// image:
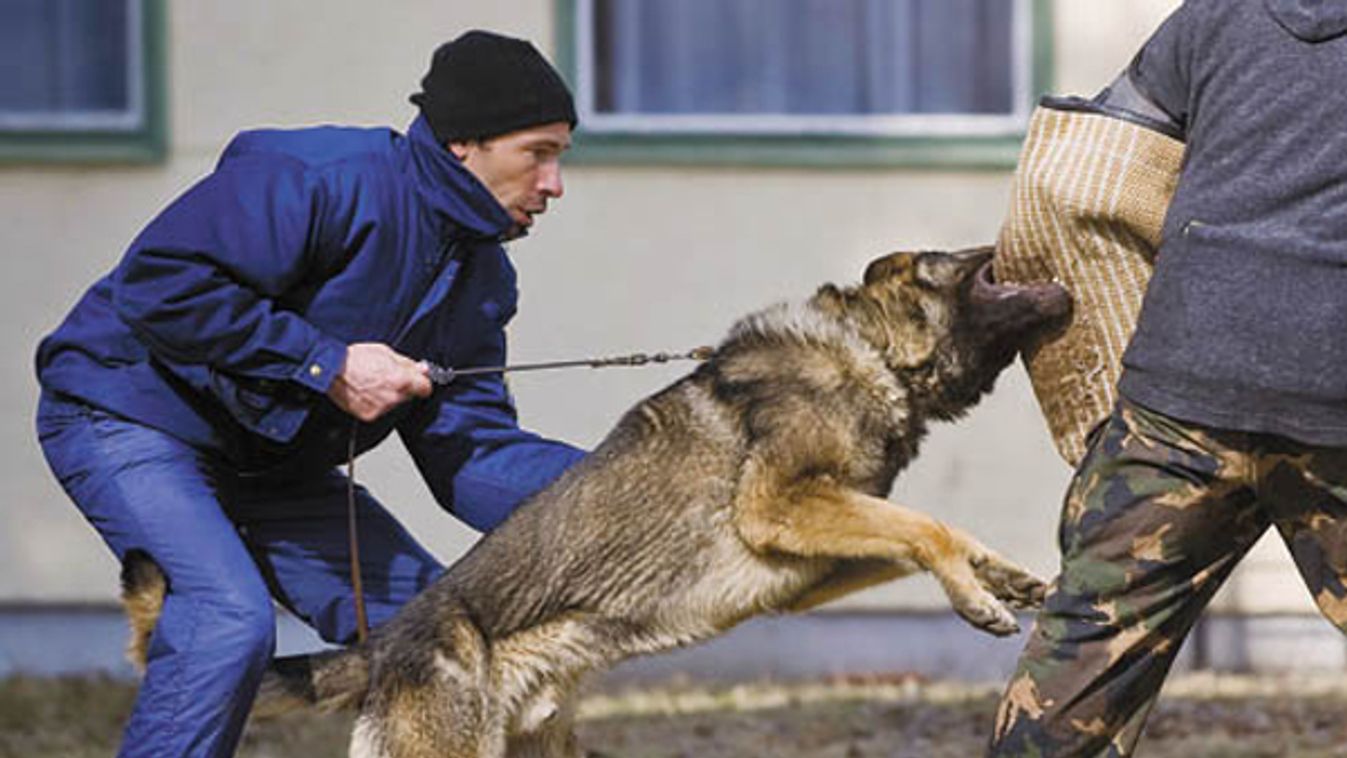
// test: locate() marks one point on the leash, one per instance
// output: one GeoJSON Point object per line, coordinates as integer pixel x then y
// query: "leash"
{"type": "Point", "coordinates": [446, 375]}
{"type": "Point", "coordinates": [443, 375]}
{"type": "Point", "coordinates": [357, 586]}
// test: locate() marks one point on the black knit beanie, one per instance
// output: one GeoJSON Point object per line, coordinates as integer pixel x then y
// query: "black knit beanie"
{"type": "Point", "coordinates": [483, 84]}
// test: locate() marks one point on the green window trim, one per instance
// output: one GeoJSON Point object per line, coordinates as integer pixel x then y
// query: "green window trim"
{"type": "Point", "coordinates": [147, 143]}
{"type": "Point", "coordinates": [993, 152]}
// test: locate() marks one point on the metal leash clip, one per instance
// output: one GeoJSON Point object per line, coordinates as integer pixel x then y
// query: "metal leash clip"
{"type": "Point", "coordinates": [440, 374]}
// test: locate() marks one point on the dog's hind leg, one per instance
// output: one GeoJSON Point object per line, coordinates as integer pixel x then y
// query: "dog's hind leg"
{"type": "Point", "coordinates": [432, 698]}
{"type": "Point", "coordinates": [432, 720]}
{"type": "Point", "coordinates": [539, 670]}
{"type": "Point", "coordinates": [367, 739]}
{"type": "Point", "coordinates": [550, 734]}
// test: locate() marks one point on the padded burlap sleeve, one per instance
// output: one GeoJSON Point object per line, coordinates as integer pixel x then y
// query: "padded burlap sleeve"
{"type": "Point", "coordinates": [1088, 201]}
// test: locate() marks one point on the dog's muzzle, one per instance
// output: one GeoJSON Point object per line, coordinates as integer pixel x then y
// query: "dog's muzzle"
{"type": "Point", "coordinates": [1018, 306]}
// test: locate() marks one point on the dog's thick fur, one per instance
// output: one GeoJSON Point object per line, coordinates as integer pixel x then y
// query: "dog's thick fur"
{"type": "Point", "coordinates": [755, 484]}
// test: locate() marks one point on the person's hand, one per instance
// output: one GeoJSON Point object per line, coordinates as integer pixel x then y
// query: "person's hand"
{"type": "Point", "coordinates": [376, 379]}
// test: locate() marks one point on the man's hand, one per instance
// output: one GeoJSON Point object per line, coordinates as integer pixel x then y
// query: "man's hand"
{"type": "Point", "coordinates": [376, 379]}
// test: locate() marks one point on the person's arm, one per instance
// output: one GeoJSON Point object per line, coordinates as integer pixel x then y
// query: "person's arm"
{"type": "Point", "coordinates": [200, 284]}
{"type": "Point", "coordinates": [1097, 226]}
{"type": "Point", "coordinates": [203, 284]}
{"type": "Point", "coordinates": [467, 444]}
{"type": "Point", "coordinates": [1160, 73]}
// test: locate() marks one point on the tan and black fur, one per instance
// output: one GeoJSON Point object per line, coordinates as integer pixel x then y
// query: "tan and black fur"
{"type": "Point", "coordinates": [755, 484]}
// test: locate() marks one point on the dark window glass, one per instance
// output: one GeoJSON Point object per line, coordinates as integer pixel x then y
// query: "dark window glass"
{"type": "Point", "coordinates": [70, 64]}
{"type": "Point", "coordinates": [803, 57]}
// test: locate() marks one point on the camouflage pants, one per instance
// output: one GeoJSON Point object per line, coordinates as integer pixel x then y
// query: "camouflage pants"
{"type": "Point", "coordinates": [1156, 518]}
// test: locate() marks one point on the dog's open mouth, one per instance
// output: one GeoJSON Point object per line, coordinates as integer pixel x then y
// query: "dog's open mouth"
{"type": "Point", "coordinates": [1016, 308]}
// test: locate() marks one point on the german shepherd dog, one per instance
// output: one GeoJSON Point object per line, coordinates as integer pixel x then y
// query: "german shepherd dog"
{"type": "Point", "coordinates": [754, 484]}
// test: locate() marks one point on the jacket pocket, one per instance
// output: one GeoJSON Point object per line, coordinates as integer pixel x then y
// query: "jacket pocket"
{"type": "Point", "coordinates": [247, 400]}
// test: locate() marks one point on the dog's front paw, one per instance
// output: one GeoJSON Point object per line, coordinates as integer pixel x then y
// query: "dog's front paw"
{"type": "Point", "coordinates": [981, 609]}
{"type": "Point", "coordinates": [980, 583]}
{"type": "Point", "coordinates": [971, 600]}
{"type": "Point", "coordinates": [1009, 581]}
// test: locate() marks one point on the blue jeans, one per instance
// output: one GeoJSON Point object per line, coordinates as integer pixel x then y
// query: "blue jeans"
{"type": "Point", "coordinates": [228, 544]}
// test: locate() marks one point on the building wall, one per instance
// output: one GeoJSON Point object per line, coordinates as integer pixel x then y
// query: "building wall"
{"type": "Point", "coordinates": [633, 258]}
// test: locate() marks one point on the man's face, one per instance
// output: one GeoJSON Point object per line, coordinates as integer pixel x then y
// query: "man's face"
{"type": "Point", "coordinates": [522, 168]}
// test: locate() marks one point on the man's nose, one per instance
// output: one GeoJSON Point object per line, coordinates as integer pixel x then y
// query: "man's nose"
{"type": "Point", "coordinates": [549, 180]}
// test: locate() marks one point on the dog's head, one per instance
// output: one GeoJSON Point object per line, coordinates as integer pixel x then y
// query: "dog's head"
{"type": "Point", "coordinates": [946, 328]}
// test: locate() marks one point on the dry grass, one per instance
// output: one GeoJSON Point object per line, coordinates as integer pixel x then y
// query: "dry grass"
{"type": "Point", "coordinates": [893, 716]}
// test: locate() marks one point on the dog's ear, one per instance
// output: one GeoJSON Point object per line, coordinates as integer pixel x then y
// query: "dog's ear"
{"type": "Point", "coordinates": [832, 300]}
{"type": "Point", "coordinates": [901, 266]}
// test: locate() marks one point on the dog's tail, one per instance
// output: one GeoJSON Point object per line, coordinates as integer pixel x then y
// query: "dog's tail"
{"type": "Point", "coordinates": [143, 589]}
{"type": "Point", "coordinates": [328, 680]}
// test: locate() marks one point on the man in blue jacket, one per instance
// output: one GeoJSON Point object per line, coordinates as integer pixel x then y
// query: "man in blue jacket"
{"type": "Point", "coordinates": [198, 399]}
{"type": "Point", "coordinates": [1233, 415]}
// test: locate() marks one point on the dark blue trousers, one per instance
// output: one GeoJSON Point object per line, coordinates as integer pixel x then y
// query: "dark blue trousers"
{"type": "Point", "coordinates": [229, 544]}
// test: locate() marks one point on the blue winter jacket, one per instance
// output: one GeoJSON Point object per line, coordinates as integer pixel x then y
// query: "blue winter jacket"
{"type": "Point", "coordinates": [229, 316]}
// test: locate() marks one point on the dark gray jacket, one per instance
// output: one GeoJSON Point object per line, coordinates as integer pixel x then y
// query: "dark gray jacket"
{"type": "Point", "coordinates": [1245, 322]}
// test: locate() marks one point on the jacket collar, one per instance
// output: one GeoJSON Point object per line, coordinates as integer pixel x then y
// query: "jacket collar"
{"type": "Point", "coordinates": [451, 190]}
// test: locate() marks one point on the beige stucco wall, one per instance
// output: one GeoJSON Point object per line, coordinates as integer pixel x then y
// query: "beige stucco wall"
{"type": "Point", "coordinates": [632, 259]}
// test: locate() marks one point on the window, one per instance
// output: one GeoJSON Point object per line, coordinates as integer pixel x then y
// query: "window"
{"type": "Point", "coordinates": [833, 82]}
{"type": "Point", "coordinates": [85, 82]}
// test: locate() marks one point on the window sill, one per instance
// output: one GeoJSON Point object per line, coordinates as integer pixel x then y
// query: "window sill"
{"type": "Point", "coordinates": [968, 153]}
{"type": "Point", "coordinates": [84, 148]}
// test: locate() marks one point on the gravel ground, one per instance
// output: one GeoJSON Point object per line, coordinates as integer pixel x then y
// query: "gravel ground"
{"type": "Point", "coordinates": [893, 716]}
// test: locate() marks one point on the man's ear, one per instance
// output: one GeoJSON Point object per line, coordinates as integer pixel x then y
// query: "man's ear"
{"type": "Point", "coordinates": [459, 149]}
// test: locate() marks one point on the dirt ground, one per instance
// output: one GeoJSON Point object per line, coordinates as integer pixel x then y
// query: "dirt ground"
{"type": "Point", "coordinates": [892, 716]}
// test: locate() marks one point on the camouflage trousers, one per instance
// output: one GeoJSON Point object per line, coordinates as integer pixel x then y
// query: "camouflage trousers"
{"type": "Point", "coordinates": [1156, 518]}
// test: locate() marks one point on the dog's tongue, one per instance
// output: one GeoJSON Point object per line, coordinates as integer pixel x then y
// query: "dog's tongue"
{"type": "Point", "coordinates": [1049, 298]}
